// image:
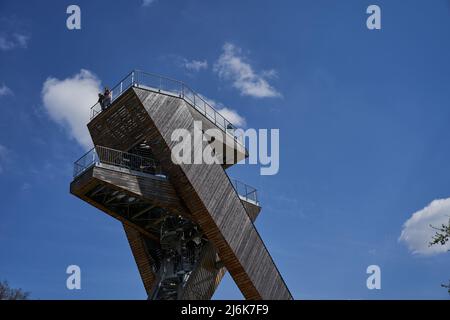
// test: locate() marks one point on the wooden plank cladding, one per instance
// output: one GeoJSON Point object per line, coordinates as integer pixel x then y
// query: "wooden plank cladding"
{"type": "Point", "coordinates": [213, 202]}
{"type": "Point", "coordinates": [203, 192]}
{"type": "Point", "coordinates": [204, 281]}
{"type": "Point", "coordinates": [141, 256]}
{"type": "Point", "coordinates": [233, 152]}
{"type": "Point", "coordinates": [121, 126]}
{"type": "Point", "coordinates": [157, 190]}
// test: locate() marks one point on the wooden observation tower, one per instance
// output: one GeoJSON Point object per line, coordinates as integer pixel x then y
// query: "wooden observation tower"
{"type": "Point", "coordinates": [187, 224]}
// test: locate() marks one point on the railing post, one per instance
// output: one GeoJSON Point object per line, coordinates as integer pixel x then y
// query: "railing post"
{"type": "Point", "coordinates": [246, 193]}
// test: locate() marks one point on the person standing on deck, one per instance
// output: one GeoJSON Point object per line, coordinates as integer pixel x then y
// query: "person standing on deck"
{"type": "Point", "coordinates": [101, 100]}
{"type": "Point", "coordinates": [107, 95]}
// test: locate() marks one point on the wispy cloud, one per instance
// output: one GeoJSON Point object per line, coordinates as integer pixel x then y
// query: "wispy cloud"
{"type": "Point", "coordinates": [5, 91]}
{"type": "Point", "coordinates": [231, 115]}
{"type": "Point", "coordinates": [195, 65]}
{"type": "Point", "coordinates": [14, 33]}
{"type": "Point", "coordinates": [13, 41]}
{"type": "Point", "coordinates": [233, 66]}
{"type": "Point", "coordinates": [417, 232]}
{"type": "Point", "coordinates": [25, 186]}
{"type": "Point", "coordinates": [147, 3]}
{"type": "Point", "coordinates": [68, 103]}
{"type": "Point", "coordinates": [4, 152]}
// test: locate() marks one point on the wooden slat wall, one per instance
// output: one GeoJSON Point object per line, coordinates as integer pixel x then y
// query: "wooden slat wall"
{"type": "Point", "coordinates": [205, 189]}
{"type": "Point", "coordinates": [215, 205]}
{"type": "Point", "coordinates": [238, 151]}
{"type": "Point", "coordinates": [141, 256]}
{"type": "Point", "coordinates": [205, 279]}
{"type": "Point", "coordinates": [159, 191]}
{"type": "Point", "coordinates": [252, 209]}
{"type": "Point", "coordinates": [121, 125]}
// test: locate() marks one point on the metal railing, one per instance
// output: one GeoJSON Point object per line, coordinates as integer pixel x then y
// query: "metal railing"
{"type": "Point", "coordinates": [131, 161]}
{"type": "Point", "coordinates": [116, 158]}
{"type": "Point", "coordinates": [116, 92]}
{"type": "Point", "coordinates": [175, 88]}
{"type": "Point", "coordinates": [245, 191]}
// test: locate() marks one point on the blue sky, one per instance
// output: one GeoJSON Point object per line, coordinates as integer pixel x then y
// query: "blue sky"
{"type": "Point", "coordinates": [363, 118]}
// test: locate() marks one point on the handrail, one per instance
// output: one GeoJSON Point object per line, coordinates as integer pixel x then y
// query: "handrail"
{"type": "Point", "coordinates": [158, 83]}
{"type": "Point", "coordinates": [247, 192]}
{"type": "Point", "coordinates": [116, 92]}
{"type": "Point", "coordinates": [134, 162]}
{"type": "Point", "coordinates": [116, 158]}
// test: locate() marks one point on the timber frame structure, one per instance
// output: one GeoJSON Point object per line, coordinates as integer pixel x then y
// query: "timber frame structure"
{"type": "Point", "coordinates": [187, 224]}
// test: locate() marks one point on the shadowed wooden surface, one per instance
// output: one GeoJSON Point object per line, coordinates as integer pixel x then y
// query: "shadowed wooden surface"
{"type": "Point", "coordinates": [142, 257]}
{"type": "Point", "coordinates": [205, 279]}
{"type": "Point", "coordinates": [87, 182]}
{"type": "Point", "coordinates": [159, 191]}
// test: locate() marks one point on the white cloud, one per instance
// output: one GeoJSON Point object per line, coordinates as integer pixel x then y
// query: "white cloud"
{"type": "Point", "coordinates": [417, 233]}
{"type": "Point", "coordinates": [15, 40]}
{"type": "Point", "coordinates": [21, 40]}
{"type": "Point", "coordinates": [5, 91]}
{"type": "Point", "coordinates": [229, 114]}
{"type": "Point", "coordinates": [3, 152]}
{"type": "Point", "coordinates": [232, 116]}
{"type": "Point", "coordinates": [68, 103]}
{"type": "Point", "coordinates": [195, 65]}
{"type": "Point", "coordinates": [3, 156]}
{"type": "Point", "coordinates": [25, 186]}
{"type": "Point", "coordinates": [147, 3]}
{"type": "Point", "coordinates": [232, 66]}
